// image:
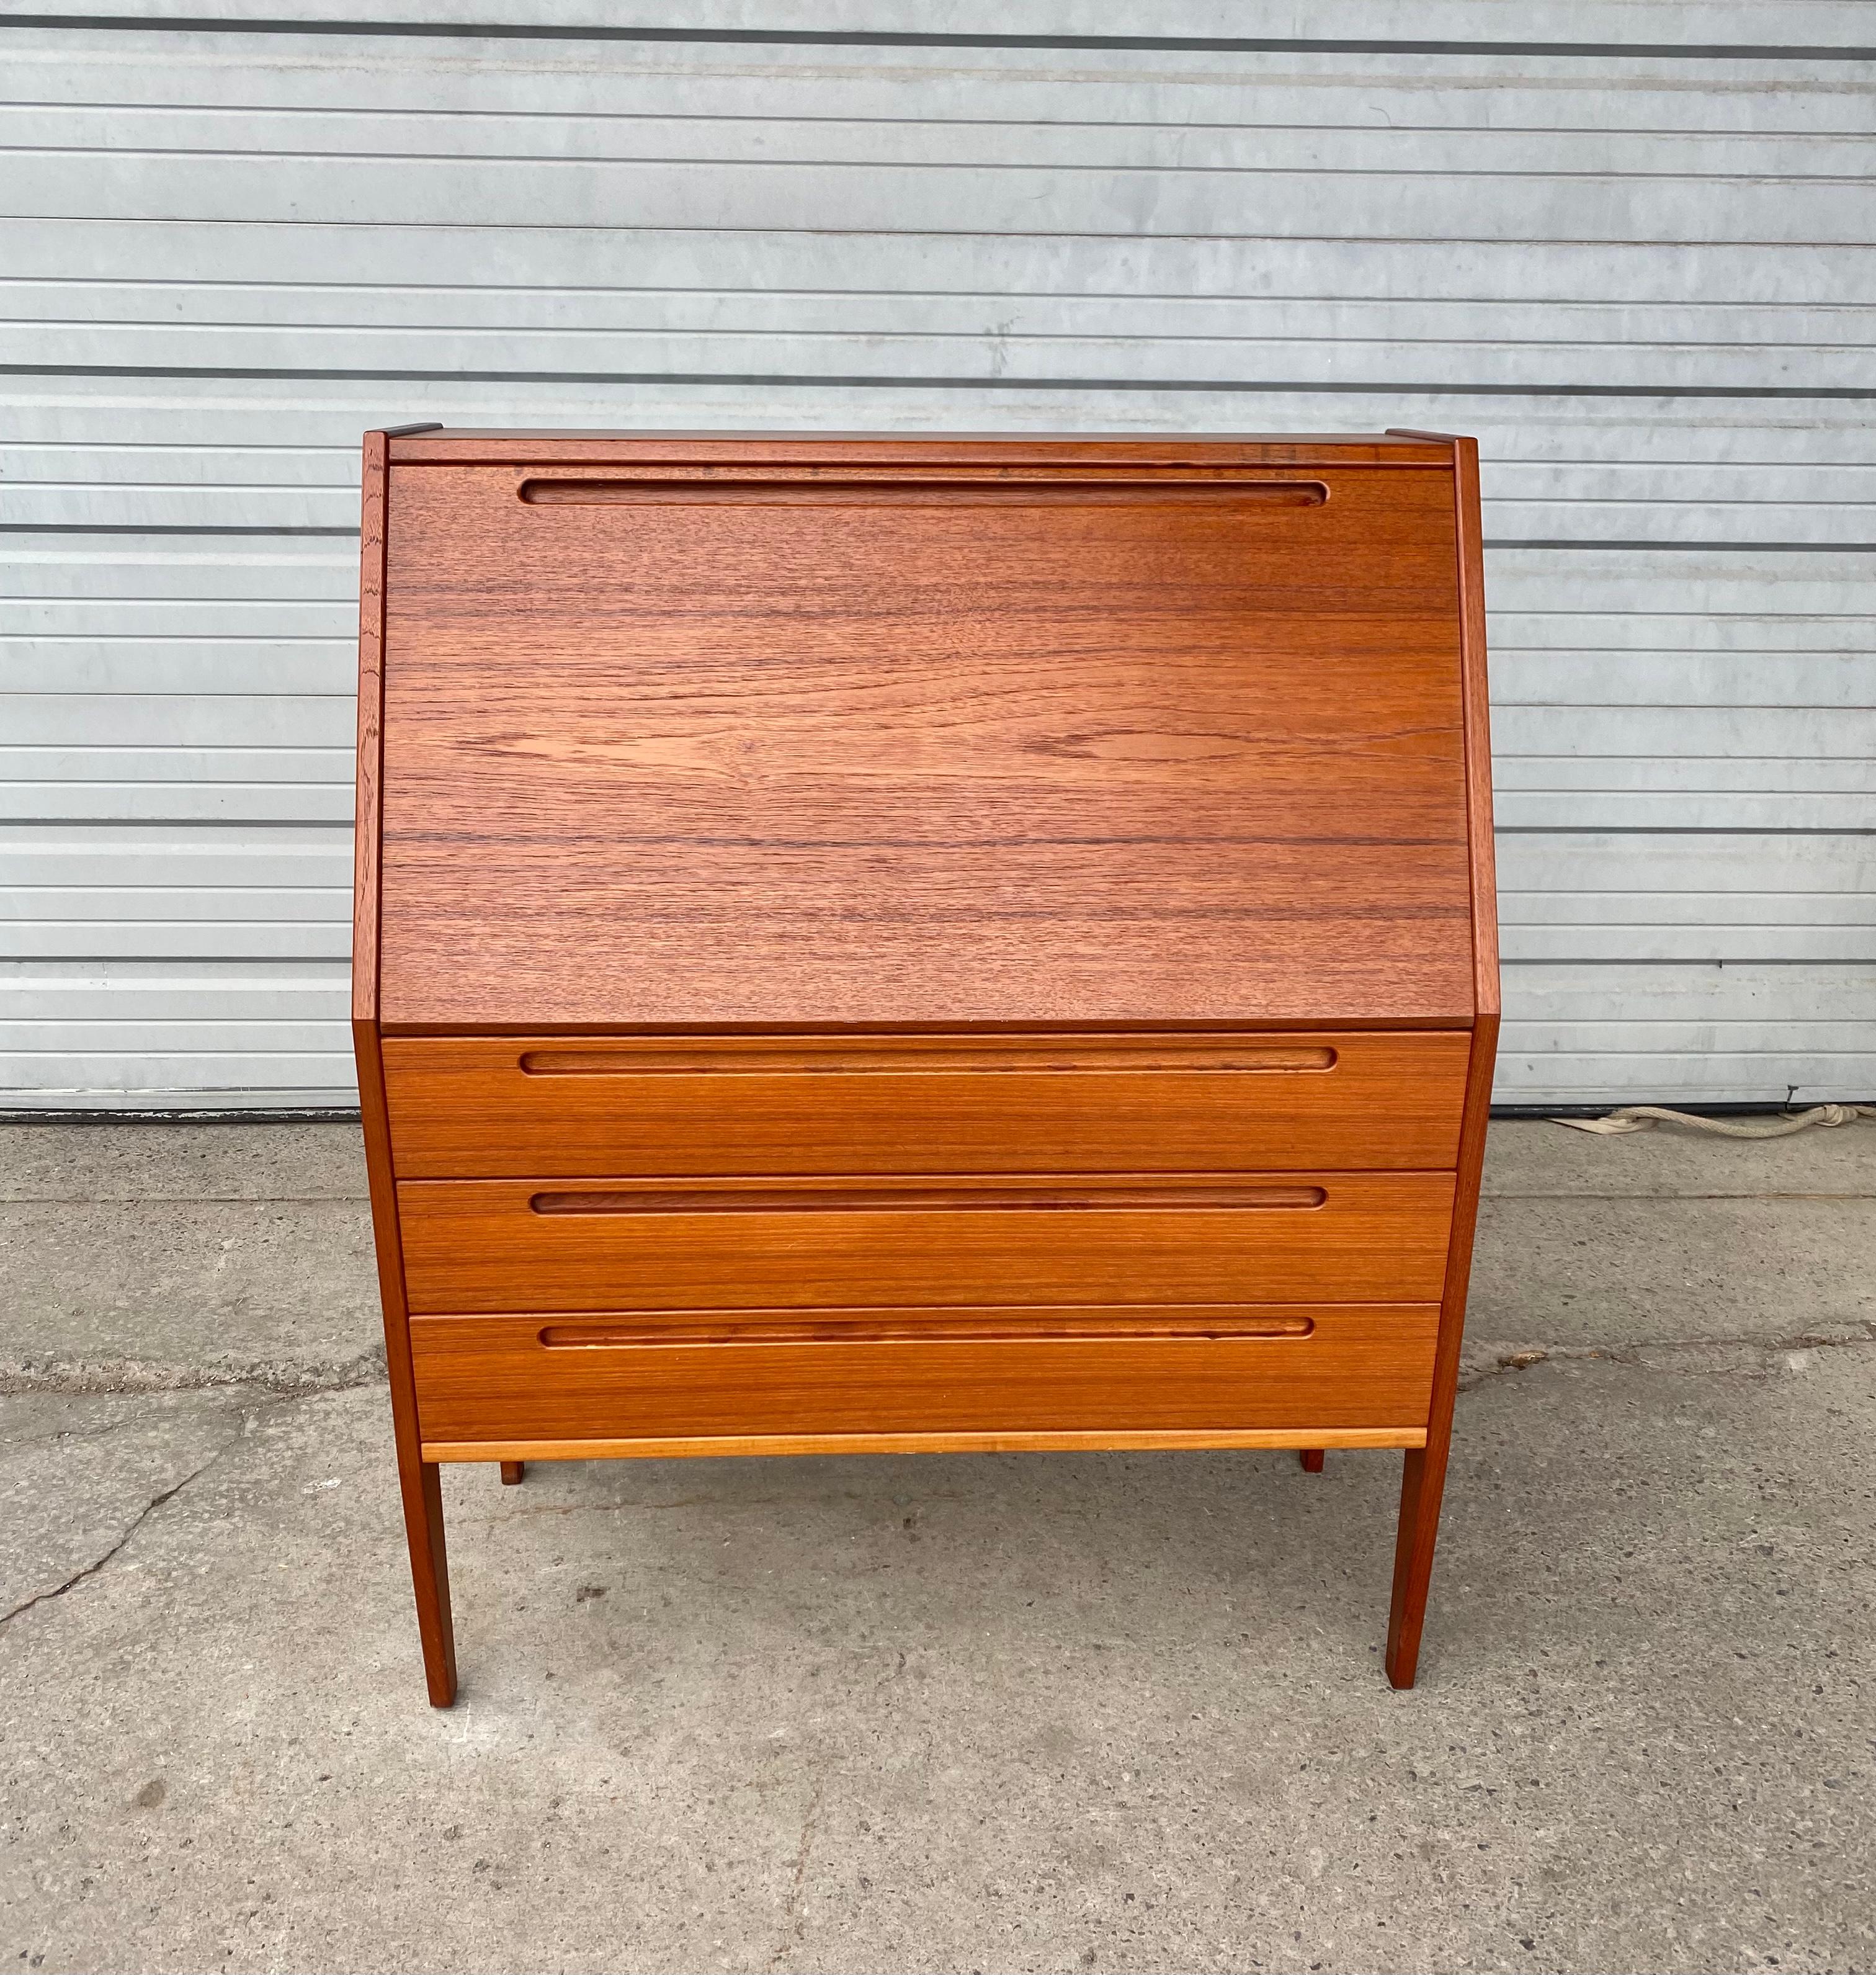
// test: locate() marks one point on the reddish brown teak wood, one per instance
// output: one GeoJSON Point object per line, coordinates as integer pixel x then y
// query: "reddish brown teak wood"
{"type": "Point", "coordinates": [883, 943]}
{"type": "Point", "coordinates": [1422, 1480]}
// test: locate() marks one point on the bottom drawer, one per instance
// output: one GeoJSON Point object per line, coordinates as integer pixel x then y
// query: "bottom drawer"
{"type": "Point", "coordinates": [505, 1380]}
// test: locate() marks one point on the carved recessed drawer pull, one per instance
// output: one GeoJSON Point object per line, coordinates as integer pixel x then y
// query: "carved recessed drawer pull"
{"type": "Point", "coordinates": [844, 1060]}
{"type": "Point", "coordinates": [963, 1327]}
{"type": "Point", "coordinates": [926, 1200]}
{"type": "Point", "coordinates": [936, 486]}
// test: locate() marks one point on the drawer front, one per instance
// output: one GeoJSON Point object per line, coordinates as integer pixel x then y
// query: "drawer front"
{"type": "Point", "coordinates": [923, 747]}
{"type": "Point", "coordinates": [475, 1107]}
{"type": "Point", "coordinates": [508, 1379]}
{"type": "Point", "coordinates": [510, 1245]}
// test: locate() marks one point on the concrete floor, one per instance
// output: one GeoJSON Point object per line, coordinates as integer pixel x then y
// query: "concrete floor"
{"type": "Point", "coordinates": [1044, 1712]}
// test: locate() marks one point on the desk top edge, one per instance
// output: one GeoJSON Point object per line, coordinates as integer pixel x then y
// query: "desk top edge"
{"type": "Point", "coordinates": [443, 445]}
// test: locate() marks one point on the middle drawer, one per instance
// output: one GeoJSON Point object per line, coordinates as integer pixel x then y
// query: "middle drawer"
{"type": "Point", "coordinates": [567, 1244]}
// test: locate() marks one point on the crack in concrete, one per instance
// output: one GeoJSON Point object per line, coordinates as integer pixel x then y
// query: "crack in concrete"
{"type": "Point", "coordinates": [124, 1377]}
{"type": "Point", "coordinates": [1481, 1363]}
{"type": "Point", "coordinates": [143, 1516]}
{"type": "Point", "coordinates": [794, 1922]}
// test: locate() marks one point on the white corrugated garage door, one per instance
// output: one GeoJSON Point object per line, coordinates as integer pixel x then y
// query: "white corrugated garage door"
{"type": "Point", "coordinates": [1630, 252]}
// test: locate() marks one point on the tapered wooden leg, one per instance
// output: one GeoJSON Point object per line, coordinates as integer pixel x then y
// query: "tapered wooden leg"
{"type": "Point", "coordinates": [512, 1471]}
{"type": "Point", "coordinates": [429, 1571]}
{"type": "Point", "coordinates": [1423, 1474]}
{"type": "Point", "coordinates": [418, 1481]}
{"type": "Point", "coordinates": [1312, 1460]}
{"type": "Point", "coordinates": [1423, 1481]}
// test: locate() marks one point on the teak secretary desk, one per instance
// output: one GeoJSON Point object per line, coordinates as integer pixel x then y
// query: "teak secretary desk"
{"type": "Point", "coordinates": [879, 943]}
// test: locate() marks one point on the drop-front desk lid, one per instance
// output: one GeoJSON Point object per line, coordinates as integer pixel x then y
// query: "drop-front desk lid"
{"type": "Point", "coordinates": [692, 731]}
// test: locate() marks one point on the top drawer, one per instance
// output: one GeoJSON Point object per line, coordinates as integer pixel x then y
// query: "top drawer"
{"type": "Point", "coordinates": [471, 1107]}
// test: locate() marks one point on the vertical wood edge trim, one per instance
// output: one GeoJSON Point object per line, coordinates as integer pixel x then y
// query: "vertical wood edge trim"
{"type": "Point", "coordinates": [1483, 1057]}
{"type": "Point", "coordinates": [373, 1106]}
{"type": "Point", "coordinates": [366, 925]}
{"type": "Point", "coordinates": [374, 1110]}
{"type": "Point", "coordinates": [388, 1237]}
{"type": "Point", "coordinates": [1465, 1221]}
{"type": "Point", "coordinates": [1475, 703]}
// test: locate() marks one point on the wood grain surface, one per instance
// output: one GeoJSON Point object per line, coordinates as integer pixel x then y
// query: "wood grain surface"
{"type": "Point", "coordinates": [911, 764]}
{"type": "Point", "coordinates": [472, 1245]}
{"type": "Point", "coordinates": [466, 1107]}
{"type": "Point", "coordinates": [490, 1378]}
{"type": "Point", "coordinates": [368, 782]}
